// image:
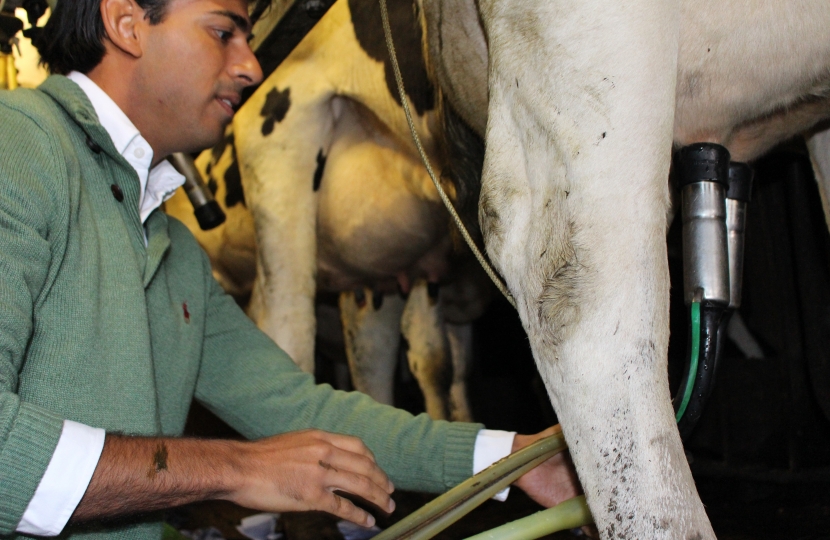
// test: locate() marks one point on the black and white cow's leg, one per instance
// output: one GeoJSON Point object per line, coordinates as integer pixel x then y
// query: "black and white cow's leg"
{"type": "Point", "coordinates": [280, 133]}
{"type": "Point", "coordinates": [460, 339]}
{"type": "Point", "coordinates": [422, 324]}
{"type": "Point", "coordinates": [371, 330]}
{"type": "Point", "coordinates": [573, 210]}
{"type": "Point", "coordinates": [819, 146]}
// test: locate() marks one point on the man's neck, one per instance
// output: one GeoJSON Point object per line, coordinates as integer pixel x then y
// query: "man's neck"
{"type": "Point", "coordinates": [117, 84]}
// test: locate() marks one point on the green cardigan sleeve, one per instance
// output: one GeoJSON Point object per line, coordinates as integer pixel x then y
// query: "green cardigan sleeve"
{"type": "Point", "coordinates": [249, 382]}
{"type": "Point", "coordinates": [29, 174]}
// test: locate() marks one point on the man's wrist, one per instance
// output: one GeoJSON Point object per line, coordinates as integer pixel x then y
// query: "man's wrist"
{"type": "Point", "coordinates": [232, 474]}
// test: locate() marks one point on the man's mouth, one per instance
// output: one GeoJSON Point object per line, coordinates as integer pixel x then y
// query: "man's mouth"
{"type": "Point", "coordinates": [227, 103]}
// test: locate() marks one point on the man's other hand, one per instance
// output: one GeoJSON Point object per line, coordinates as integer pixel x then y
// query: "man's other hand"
{"type": "Point", "coordinates": [302, 470]}
{"type": "Point", "coordinates": [553, 481]}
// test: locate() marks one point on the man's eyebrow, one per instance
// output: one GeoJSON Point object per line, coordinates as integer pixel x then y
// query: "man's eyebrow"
{"type": "Point", "coordinates": [241, 22]}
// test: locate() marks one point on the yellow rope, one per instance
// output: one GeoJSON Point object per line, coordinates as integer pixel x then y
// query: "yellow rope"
{"type": "Point", "coordinates": [405, 103]}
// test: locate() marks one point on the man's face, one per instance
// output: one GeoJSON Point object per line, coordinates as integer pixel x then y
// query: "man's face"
{"type": "Point", "coordinates": [196, 63]}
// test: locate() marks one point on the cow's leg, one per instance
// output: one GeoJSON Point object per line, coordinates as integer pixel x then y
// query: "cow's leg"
{"type": "Point", "coordinates": [573, 210]}
{"type": "Point", "coordinates": [371, 330]}
{"type": "Point", "coordinates": [280, 133]}
{"type": "Point", "coordinates": [422, 325]}
{"type": "Point", "coordinates": [460, 338]}
{"type": "Point", "coordinates": [819, 146]}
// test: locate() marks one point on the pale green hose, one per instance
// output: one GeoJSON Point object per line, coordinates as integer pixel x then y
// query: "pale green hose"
{"type": "Point", "coordinates": [567, 515]}
{"type": "Point", "coordinates": [442, 512]}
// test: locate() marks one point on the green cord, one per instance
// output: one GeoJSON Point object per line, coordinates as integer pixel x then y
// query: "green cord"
{"type": "Point", "coordinates": [442, 512]}
{"type": "Point", "coordinates": [567, 515]}
{"type": "Point", "coordinates": [690, 381]}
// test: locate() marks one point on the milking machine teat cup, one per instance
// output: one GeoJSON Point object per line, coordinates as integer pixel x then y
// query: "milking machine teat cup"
{"type": "Point", "coordinates": [714, 193]}
{"type": "Point", "coordinates": [208, 212]}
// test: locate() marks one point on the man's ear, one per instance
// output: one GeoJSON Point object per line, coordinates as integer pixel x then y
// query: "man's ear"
{"type": "Point", "coordinates": [123, 22]}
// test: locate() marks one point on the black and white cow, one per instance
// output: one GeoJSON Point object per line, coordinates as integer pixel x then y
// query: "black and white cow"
{"type": "Point", "coordinates": [338, 201]}
{"type": "Point", "coordinates": [581, 104]}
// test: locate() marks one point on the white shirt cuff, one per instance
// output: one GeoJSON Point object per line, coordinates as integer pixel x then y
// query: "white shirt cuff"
{"type": "Point", "coordinates": [65, 481]}
{"type": "Point", "coordinates": [490, 447]}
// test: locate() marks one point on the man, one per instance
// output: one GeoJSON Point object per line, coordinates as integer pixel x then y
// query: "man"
{"type": "Point", "coordinates": [111, 322]}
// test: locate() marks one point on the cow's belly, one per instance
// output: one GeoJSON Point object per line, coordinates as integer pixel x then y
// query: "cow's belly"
{"type": "Point", "coordinates": [379, 220]}
{"type": "Point", "coordinates": [751, 73]}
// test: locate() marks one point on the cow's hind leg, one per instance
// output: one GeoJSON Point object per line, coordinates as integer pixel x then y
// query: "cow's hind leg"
{"type": "Point", "coordinates": [281, 134]}
{"type": "Point", "coordinates": [460, 339]}
{"type": "Point", "coordinates": [573, 209]}
{"type": "Point", "coordinates": [371, 329]}
{"type": "Point", "coordinates": [422, 325]}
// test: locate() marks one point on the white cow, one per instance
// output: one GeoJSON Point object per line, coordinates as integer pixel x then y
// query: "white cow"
{"type": "Point", "coordinates": [341, 203]}
{"type": "Point", "coordinates": [581, 104]}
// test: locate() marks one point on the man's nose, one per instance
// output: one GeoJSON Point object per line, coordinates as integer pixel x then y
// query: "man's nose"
{"type": "Point", "coordinates": [246, 68]}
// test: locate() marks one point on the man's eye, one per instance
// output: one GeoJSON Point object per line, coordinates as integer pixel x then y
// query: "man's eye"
{"type": "Point", "coordinates": [224, 35]}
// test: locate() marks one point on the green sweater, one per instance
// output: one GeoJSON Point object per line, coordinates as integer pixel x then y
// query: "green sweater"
{"type": "Point", "coordinates": [97, 328]}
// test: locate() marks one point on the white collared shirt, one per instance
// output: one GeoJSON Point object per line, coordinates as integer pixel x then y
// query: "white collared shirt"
{"type": "Point", "coordinates": [79, 447]}
{"type": "Point", "coordinates": [158, 184]}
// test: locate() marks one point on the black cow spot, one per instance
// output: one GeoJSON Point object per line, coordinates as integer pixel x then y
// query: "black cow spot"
{"type": "Point", "coordinates": [212, 186]}
{"type": "Point", "coordinates": [377, 300]}
{"type": "Point", "coordinates": [360, 297]}
{"type": "Point", "coordinates": [211, 180]}
{"type": "Point", "coordinates": [315, 9]}
{"type": "Point", "coordinates": [432, 290]}
{"type": "Point", "coordinates": [217, 151]}
{"type": "Point", "coordinates": [321, 167]}
{"type": "Point", "coordinates": [233, 186]}
{"type": "Point", "coordinates": [276, 107]}
{"type": "Point", "coordinates": [406, 32]}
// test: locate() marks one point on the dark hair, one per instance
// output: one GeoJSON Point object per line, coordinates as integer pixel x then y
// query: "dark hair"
{"type": "Point", "coordinates": [73, 38]}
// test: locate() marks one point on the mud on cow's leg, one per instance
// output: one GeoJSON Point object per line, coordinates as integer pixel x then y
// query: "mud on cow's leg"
{"type": "Point", "coordinates": [573, 210]}
{"type": "Point", "coordinates": [371, 330]}
{"type": "Point", "coordinates": [422, 325]}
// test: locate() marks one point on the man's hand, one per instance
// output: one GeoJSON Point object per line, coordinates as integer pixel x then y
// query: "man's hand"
{"type": "Point", "coordinates": [553, 481]}
{"type": "Point", "coordinates": [291, 472]}
{"type": "Point", "coordinates": [302, 470]}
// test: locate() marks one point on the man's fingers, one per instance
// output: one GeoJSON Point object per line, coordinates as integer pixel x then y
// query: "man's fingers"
{"type": "Point", "coordinates": [363, 487]}
{"type": "Point", "coordinates": [338, 460]}
{"type": "Point", "coordinates": [346, 509]}
{"type": "Point", "coordinates": [348, 443]}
